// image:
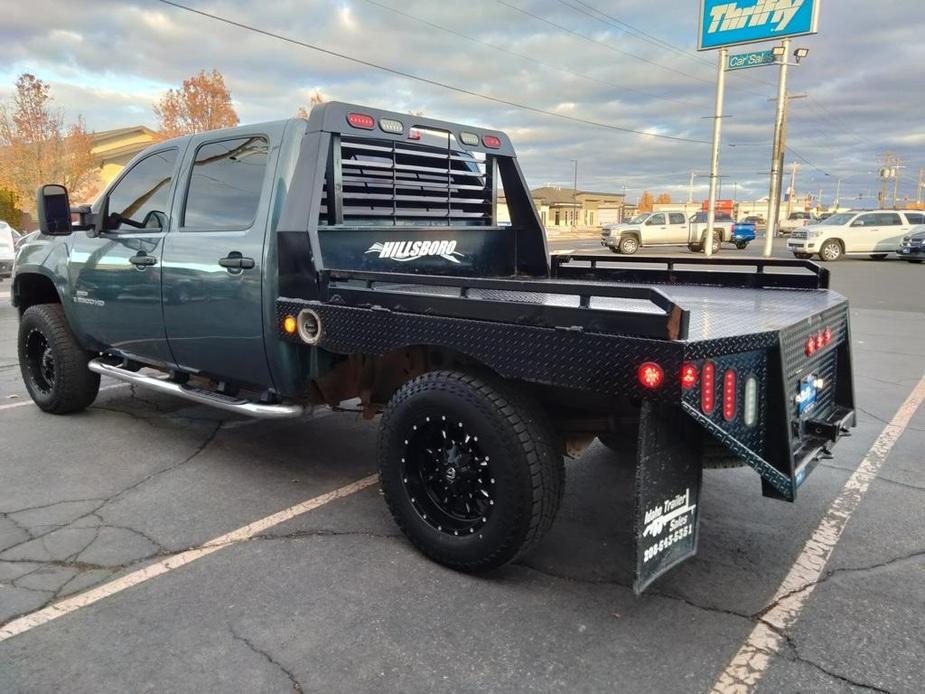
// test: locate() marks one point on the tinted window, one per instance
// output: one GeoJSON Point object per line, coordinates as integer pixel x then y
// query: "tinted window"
{"type": "Point", "coordinates": [225, 186]}
{"type": "Point", "coordinates": [656, 219]}
{"type": "Point", "coordinates": [889, 219]}
{"type": "Point", "coordinates": [676, 218]}
{"type": "Point", "coordinates": [915, 217]}
{"type": "Point", "coordinates": [142, 197]}
{"type": "Point", "coordinates": [866, 220]}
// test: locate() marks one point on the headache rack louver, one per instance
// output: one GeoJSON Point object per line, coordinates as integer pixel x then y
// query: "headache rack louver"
{"type": "Point", "coordinates": [394, 183]}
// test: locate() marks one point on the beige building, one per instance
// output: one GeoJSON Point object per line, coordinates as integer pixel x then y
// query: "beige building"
{"type": "Point", "coordinates": [113, 149]}
{"type": "Point", "coordinates": [564, 208]}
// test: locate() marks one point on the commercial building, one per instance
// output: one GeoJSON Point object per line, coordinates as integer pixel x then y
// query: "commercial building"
{"type": "Point", "coordinates": [565, 208]}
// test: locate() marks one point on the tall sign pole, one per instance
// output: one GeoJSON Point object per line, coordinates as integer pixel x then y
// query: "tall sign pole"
{"type": "Point", "coordinates": [777, 153]}
{"type": "Point", "coordinates": [714, 162]}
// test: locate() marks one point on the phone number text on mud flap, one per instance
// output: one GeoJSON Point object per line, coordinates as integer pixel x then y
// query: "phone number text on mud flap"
{"type": "Point", "coordinates": [667, 542]}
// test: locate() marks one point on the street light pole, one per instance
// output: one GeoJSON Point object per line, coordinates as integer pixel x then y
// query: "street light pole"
{"type": "Point", "coordinates": [837, 193]}
{"type": "Point", "coordinates": [714, 163]}
{"type": "Point", "coordinates": [774, 193]}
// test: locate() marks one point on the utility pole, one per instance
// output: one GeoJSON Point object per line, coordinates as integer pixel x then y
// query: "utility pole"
{"type": "Point", "coordinates": [837, 193]}
{"type": "Point", "coordinates": [575, 197]}
{"type": "Point", "coordinates": [714, 163]}
{"type": "Point", "coordinates": [690, 193]}
{"type": "Point", "coordinates": [777, 151]}
{"type": "Point", "coordinates": [918, 187]}
{"type": "Point", "coordinates": [886, 172]}
{"type": "Point", "coordinates": [793, 184]}
{"type": "Point", "coordinates": [897, 165]}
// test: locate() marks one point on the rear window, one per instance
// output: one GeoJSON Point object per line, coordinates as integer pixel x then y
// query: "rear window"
{"type": "Point", "coordinates": [915, 217]}
{"type": "Point", "coordinates": [676, 218]}
{"type": "Point", "coordinates": [224, 190]}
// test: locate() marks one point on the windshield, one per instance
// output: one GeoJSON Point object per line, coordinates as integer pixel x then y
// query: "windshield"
{"type": "Point", "coordinates": [639, 218]}
{"type": "Point", "coordinates": [840, 218]}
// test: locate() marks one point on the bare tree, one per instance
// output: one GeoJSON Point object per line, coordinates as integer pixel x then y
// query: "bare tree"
{"type": "Point", "coordinates": [202, 103]}
{"type": "Point", "coordinates": [37, 148]}
{"type": "Point", "coordinates": [314, 99]}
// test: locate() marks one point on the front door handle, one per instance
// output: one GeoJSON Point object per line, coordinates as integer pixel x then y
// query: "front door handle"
{"type": "Point", "coordinates": [142, 260]}
{"type": "Point", "coordinates": [236, 261]}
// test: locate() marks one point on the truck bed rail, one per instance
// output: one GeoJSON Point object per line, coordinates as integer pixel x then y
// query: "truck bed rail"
{"type": "Point", "coordinates": [610, 308]}
{"type": "Point", "coordinates": [723, 272]}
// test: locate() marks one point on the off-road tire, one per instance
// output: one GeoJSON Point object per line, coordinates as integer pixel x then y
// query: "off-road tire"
{"type": "Point", "coordinates": [831, 250]}
{"type": "Point", "coordinates": [525, 465]}
{"type": "Point", "coordinates": [53, 365]}
{"type": "Point", "coordinates": [629, 245]}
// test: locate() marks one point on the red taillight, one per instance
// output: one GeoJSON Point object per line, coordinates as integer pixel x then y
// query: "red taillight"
{"type": "Point", "coordinates": [810, 346]}
{"type": "Point", "coordinates": [361, 120]}
{"type": "Point", "coordinates": [706, 393]}
{"type": "Point", "coordinates": [414, 135]}
{"type": "Point", "coordinates": [827, 336]}
{"type": "Point", "coordinates": [491, 141]}
{"type": "Point", "coordinates": [651, 375]}
{"type": "Point", "coordinates": [729, 395]}
{"type": "Point", "coordinates": [688, 376]}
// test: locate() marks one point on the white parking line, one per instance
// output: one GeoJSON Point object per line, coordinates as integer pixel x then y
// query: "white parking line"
{"type": "Point", "coordinates": [72, 604]}
{"type": "Point", "coordinates": [28, 401]}
{"type": "Point", "coordinates": [748, 666]}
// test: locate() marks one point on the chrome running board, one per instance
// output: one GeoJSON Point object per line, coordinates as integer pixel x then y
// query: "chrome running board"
{"type": "Point", "coordinates": [199, 395]}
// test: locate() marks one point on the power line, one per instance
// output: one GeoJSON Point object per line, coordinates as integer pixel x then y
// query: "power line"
{"type": "Point", "coordinates": [602, 43]}
{"type": "Point", "coordinates": [567, 71]}
{"type": "Point", "coordinates": [425, 80]}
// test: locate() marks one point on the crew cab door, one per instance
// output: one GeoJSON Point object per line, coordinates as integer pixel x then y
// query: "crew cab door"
{"type": "Point", "coordinates": [655, 230]}
{"type": "Point", "coordinates": [677, 227]}
{"type": "Point", "coordinates": [115, 277]}
{"type": "Point", "coordinates": [213, 257]}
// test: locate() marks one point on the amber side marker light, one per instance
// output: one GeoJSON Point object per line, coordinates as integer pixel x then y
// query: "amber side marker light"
{"type": "Point", "coordinates": [290, 325]}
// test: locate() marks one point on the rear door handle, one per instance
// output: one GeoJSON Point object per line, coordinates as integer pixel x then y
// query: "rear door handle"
{"type": "Point", "coordinates": [236, 261]}
{"type": "Point", "coordinates": [142, 260]}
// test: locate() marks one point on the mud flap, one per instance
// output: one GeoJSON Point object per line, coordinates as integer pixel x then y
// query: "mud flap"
{"type": "Point", "coordinates": [669, 469]}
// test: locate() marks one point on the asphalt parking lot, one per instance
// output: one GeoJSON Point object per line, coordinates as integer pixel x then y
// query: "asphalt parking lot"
{"type": "Point", "coordinates": [330, 598]}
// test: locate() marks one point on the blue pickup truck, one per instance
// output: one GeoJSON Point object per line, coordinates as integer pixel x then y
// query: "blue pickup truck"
{"type": "Point", "coordinates": [273, 268]}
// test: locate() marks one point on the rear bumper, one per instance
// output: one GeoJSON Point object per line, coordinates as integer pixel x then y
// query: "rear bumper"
{"type": "Point", "coordinates": [912, 252]}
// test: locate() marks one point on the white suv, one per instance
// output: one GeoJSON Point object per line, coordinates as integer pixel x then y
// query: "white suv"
{"type": "Point", "coordinates": [875, 233]}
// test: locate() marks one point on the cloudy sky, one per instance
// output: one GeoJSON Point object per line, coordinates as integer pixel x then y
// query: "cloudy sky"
{"type": "Point", "coordinates": [625, 63]}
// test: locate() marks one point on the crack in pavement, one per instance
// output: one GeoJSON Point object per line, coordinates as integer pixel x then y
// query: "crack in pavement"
{"type": "Point", "coordinates": [834, 572]}
{"type": "Point", "coordinates": [269, 658]}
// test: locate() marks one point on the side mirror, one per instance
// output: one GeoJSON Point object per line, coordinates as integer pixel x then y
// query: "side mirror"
{"type": "Point", "coordinates": [54, 210]}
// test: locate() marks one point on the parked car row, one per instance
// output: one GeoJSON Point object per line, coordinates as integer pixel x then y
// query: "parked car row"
{"type": "Point", "coordinates": [875, 233]}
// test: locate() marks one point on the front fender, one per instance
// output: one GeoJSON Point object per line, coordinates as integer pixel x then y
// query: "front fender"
{"type": "Point", "coordinates": [46, 256]}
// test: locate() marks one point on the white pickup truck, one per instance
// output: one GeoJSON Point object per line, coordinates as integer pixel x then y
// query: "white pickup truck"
{"type": "Point", "coordinates": [650, 229]}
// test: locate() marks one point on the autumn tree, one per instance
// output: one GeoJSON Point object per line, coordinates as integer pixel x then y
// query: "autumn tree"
{"type": "Point", "coordinates": [314, 99]}
{"type": "Point", "coordinates": [646, 201]}
{"type": "Point", "coordinates": [664, 199]}
{"type": "Point", "coordinates": [36, 147]}
{"type": "Point", "coordinates": [202, 103]}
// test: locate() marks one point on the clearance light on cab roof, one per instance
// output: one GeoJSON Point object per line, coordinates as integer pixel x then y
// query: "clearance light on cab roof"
{"type": "Point", "coordinates": [414, 135]}
{"type": "Point", "coordinates": [394, 127]}
{"type": "Point", "coordinates": [651, 375]}
{"type": "Point", "coordinates": [361, 120]}
{"type": "Point", "coordinates": [491, 141]}
{"type": "Point", "coordinates": [470, 139]}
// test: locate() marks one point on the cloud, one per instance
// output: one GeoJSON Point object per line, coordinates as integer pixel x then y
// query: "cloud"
{"type": "Point", "coordinates": [110, 60]}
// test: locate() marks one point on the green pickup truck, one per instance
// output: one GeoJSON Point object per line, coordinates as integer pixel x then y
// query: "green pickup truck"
{"type": "Point", "coordinates": [274, 268]}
